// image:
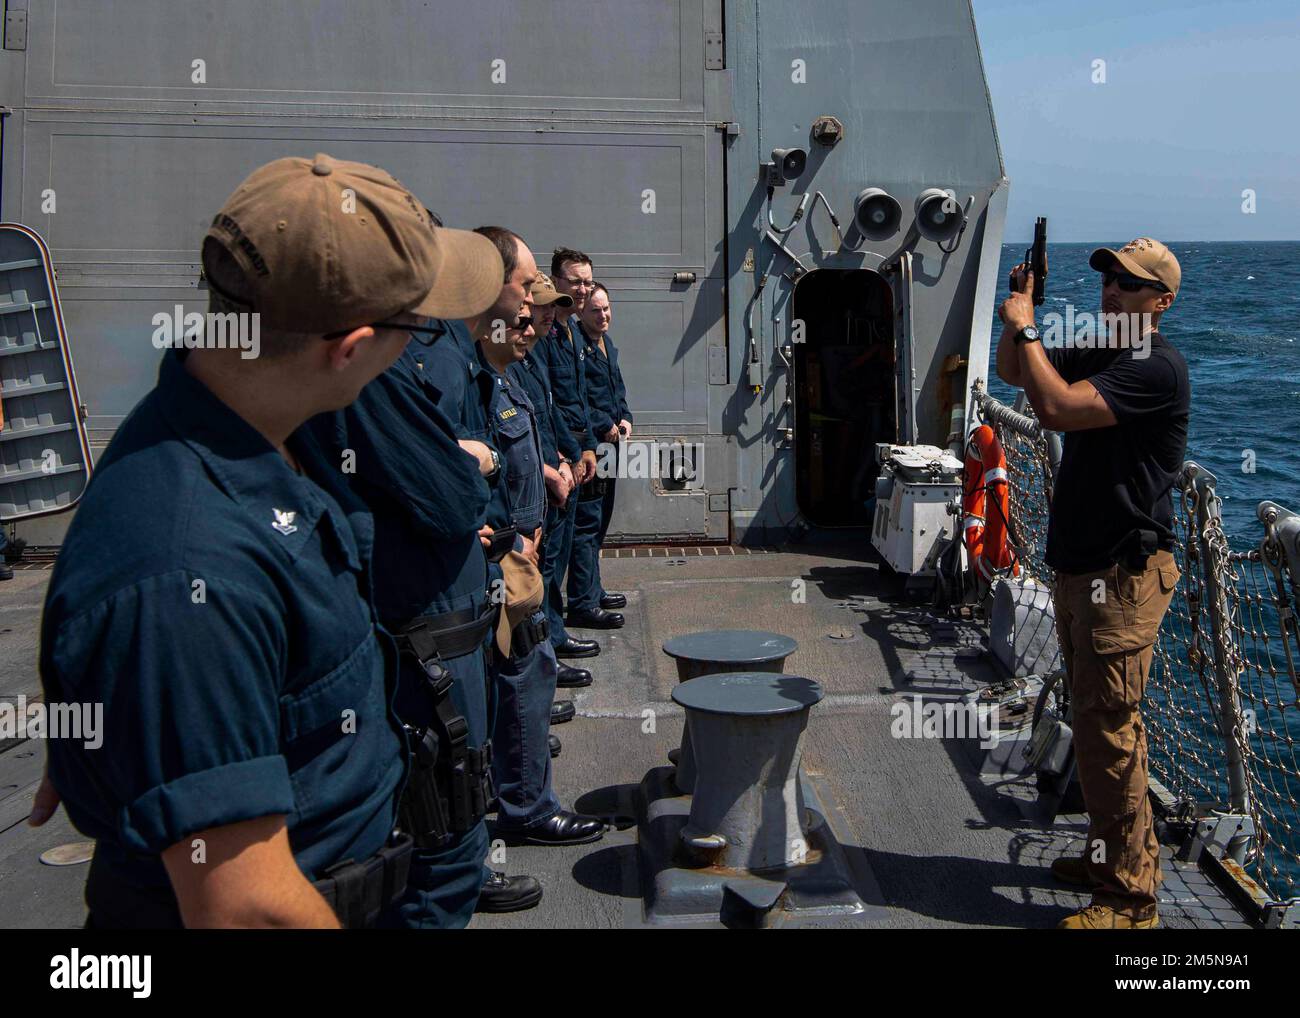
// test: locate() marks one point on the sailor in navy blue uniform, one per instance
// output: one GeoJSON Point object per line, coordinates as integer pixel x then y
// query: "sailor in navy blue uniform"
{"type": "Point", "coordinates": [565, 355]}
{"type": "Point", "coordinates": [611, 422]}
{"type": "Point", "coordinates": [561, 454]}
{"type": "Point", "coordinates": [214, 590]}
{"type": "Point", "coordinates": [525, 668]}
{"type": "Point", "coordinates": [428, 495]}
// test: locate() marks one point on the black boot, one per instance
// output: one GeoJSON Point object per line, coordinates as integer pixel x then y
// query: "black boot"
{"type": "Point", "coordinates": [571, 678]}
{"type": "Point", "coordinates": [577, 648]}
{"type": "Point", "coordinates": [594, 618]}
{"type": "Point", "coordinates": [508, 894]}
{"type": "Point", "coordinates": [564, 828]}
{"type": "Point", "coordinates": [562, 711]}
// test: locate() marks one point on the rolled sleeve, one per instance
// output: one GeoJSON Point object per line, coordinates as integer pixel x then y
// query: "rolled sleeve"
{"type": "Point", "coordinates": [168, 813]}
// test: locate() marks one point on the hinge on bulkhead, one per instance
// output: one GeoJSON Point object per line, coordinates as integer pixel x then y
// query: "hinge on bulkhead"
{"type": "Point", "coordinates": [715, 54]}
{"type": "Point", "coordinates": [16, 30]}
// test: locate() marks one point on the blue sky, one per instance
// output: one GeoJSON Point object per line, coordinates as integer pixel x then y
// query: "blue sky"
{"type": "Point", "coordinates": [1201, 102]}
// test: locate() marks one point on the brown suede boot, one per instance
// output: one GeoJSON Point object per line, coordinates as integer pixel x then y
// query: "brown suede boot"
{"type": "Point", "coordinates": [1103, 917]}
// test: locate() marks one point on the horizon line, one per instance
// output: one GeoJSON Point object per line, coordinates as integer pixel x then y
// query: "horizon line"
{"type": "Point", "coordinates": [1246, 240]}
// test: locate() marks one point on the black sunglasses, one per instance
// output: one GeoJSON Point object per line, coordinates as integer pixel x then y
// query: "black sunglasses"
{"type": "Point", "coordinates": [1130, 283]}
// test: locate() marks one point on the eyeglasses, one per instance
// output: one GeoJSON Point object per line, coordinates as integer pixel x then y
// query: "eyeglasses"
{"type": "Point", "coordinates": [431, 331]}
{"type": "Point", "coordinates": [1130, 283]}
{"type": "Point", "coordinates": [523, 324]}
{"type": "Point", "coordinates": [582, 284]}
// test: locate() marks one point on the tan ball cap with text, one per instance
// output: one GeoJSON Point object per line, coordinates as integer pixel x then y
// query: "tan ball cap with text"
{"type": "Point", "coordinates": [328, 245]}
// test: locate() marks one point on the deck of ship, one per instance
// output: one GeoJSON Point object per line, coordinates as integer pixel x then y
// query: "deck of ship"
{"type": "Point", "coordinates": [931, 841]}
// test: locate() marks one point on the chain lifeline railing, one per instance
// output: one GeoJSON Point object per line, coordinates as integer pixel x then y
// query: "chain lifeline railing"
{"type": "Point", "coordinates": [1223, 697]}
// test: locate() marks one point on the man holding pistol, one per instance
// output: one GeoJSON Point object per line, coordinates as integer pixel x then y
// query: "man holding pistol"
{"type": "Point", "coordinates": [1123, 406]}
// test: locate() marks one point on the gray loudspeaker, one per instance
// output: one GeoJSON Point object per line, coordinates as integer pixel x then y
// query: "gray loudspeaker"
{"type": "Point", "coordinates": [938, 215]}
{"type": "Point", "coordinates": [876, 213]}
{"type": "Point", "coordinates": [790, 162]}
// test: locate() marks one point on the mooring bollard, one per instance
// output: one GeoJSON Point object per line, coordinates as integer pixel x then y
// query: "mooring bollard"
{"type": "Point", "coordinates": [711, 653]}
{"type": "Point", "coordinates": [747, 812]}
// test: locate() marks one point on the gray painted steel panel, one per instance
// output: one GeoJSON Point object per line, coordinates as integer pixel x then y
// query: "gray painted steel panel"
{"type": "Point", "coordinates": [907, 83]}
{"type": "Point", "coordinates": [44, 456]}
{"type": "Point", "coordinates": [599, 103]}
{"type": "Point", "coordinates": [616, 55]}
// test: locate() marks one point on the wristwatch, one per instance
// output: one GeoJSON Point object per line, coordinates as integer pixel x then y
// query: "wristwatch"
{"type": "Point", "coordinates": [1029, 334]}
{"type": "Point", "coordinates": [496, 464]}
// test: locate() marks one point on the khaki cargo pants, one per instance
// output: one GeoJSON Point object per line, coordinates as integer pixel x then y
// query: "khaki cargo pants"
{"type": "Point", "coordinates": [1106, 624]}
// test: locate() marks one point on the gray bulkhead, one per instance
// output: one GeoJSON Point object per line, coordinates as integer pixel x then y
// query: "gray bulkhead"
{"type": "Point", "coordinates": [631, 130]}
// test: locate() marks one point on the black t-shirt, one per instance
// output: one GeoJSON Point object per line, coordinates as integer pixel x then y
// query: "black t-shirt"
{"type": "Point", "coordinates": [1115, 482]}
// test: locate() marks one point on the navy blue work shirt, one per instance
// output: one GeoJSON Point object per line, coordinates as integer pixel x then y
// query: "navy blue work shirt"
{"type": "Point", "coordinates": [606, 393]}
{"type": "Point", "coordinates": [1115, 483]}
{"type": "Point", "coordinates": [514, 422]}
{"type": "Point", "coordinates": [464, 387]}
{"type": "Point", "coordinates": [566, 360]}
{"type": "Point", "coordinates": [557, 440]}
{"type": "Point", "coordinates": [218, 604]}
{"type": "Point", "coordinates": [426, 493]}
{"type": "Point", "coordinates": [452, 364]}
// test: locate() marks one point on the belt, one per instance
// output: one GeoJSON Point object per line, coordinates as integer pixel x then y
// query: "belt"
{"type": "Point", "coordinates": [358, 892]}
{"type": "Point", "coordinates": [450, 634]}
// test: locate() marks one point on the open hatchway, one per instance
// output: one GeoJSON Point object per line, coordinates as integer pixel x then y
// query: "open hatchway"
{"type": "Point", "coordinates": [844, 377]}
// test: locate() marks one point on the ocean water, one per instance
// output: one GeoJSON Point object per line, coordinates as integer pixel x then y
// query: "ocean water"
{"type": "Point", "coordinates": [1237, 322]}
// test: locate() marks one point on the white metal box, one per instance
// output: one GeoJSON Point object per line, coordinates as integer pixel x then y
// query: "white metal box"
{"type": "Point", "coordinates": [916, 486]}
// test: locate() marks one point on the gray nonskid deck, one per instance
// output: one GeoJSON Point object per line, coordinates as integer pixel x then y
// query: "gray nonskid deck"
{"type": "Point", "coordinates": [930, 842]}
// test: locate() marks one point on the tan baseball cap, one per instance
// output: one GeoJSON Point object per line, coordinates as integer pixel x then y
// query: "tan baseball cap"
{"type": "Point", "coordinates": [327, 245]}
{"type": "Point", "coordinates": [1144, 258]}
{"type": "Point", "coordinates": [544, 293]}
